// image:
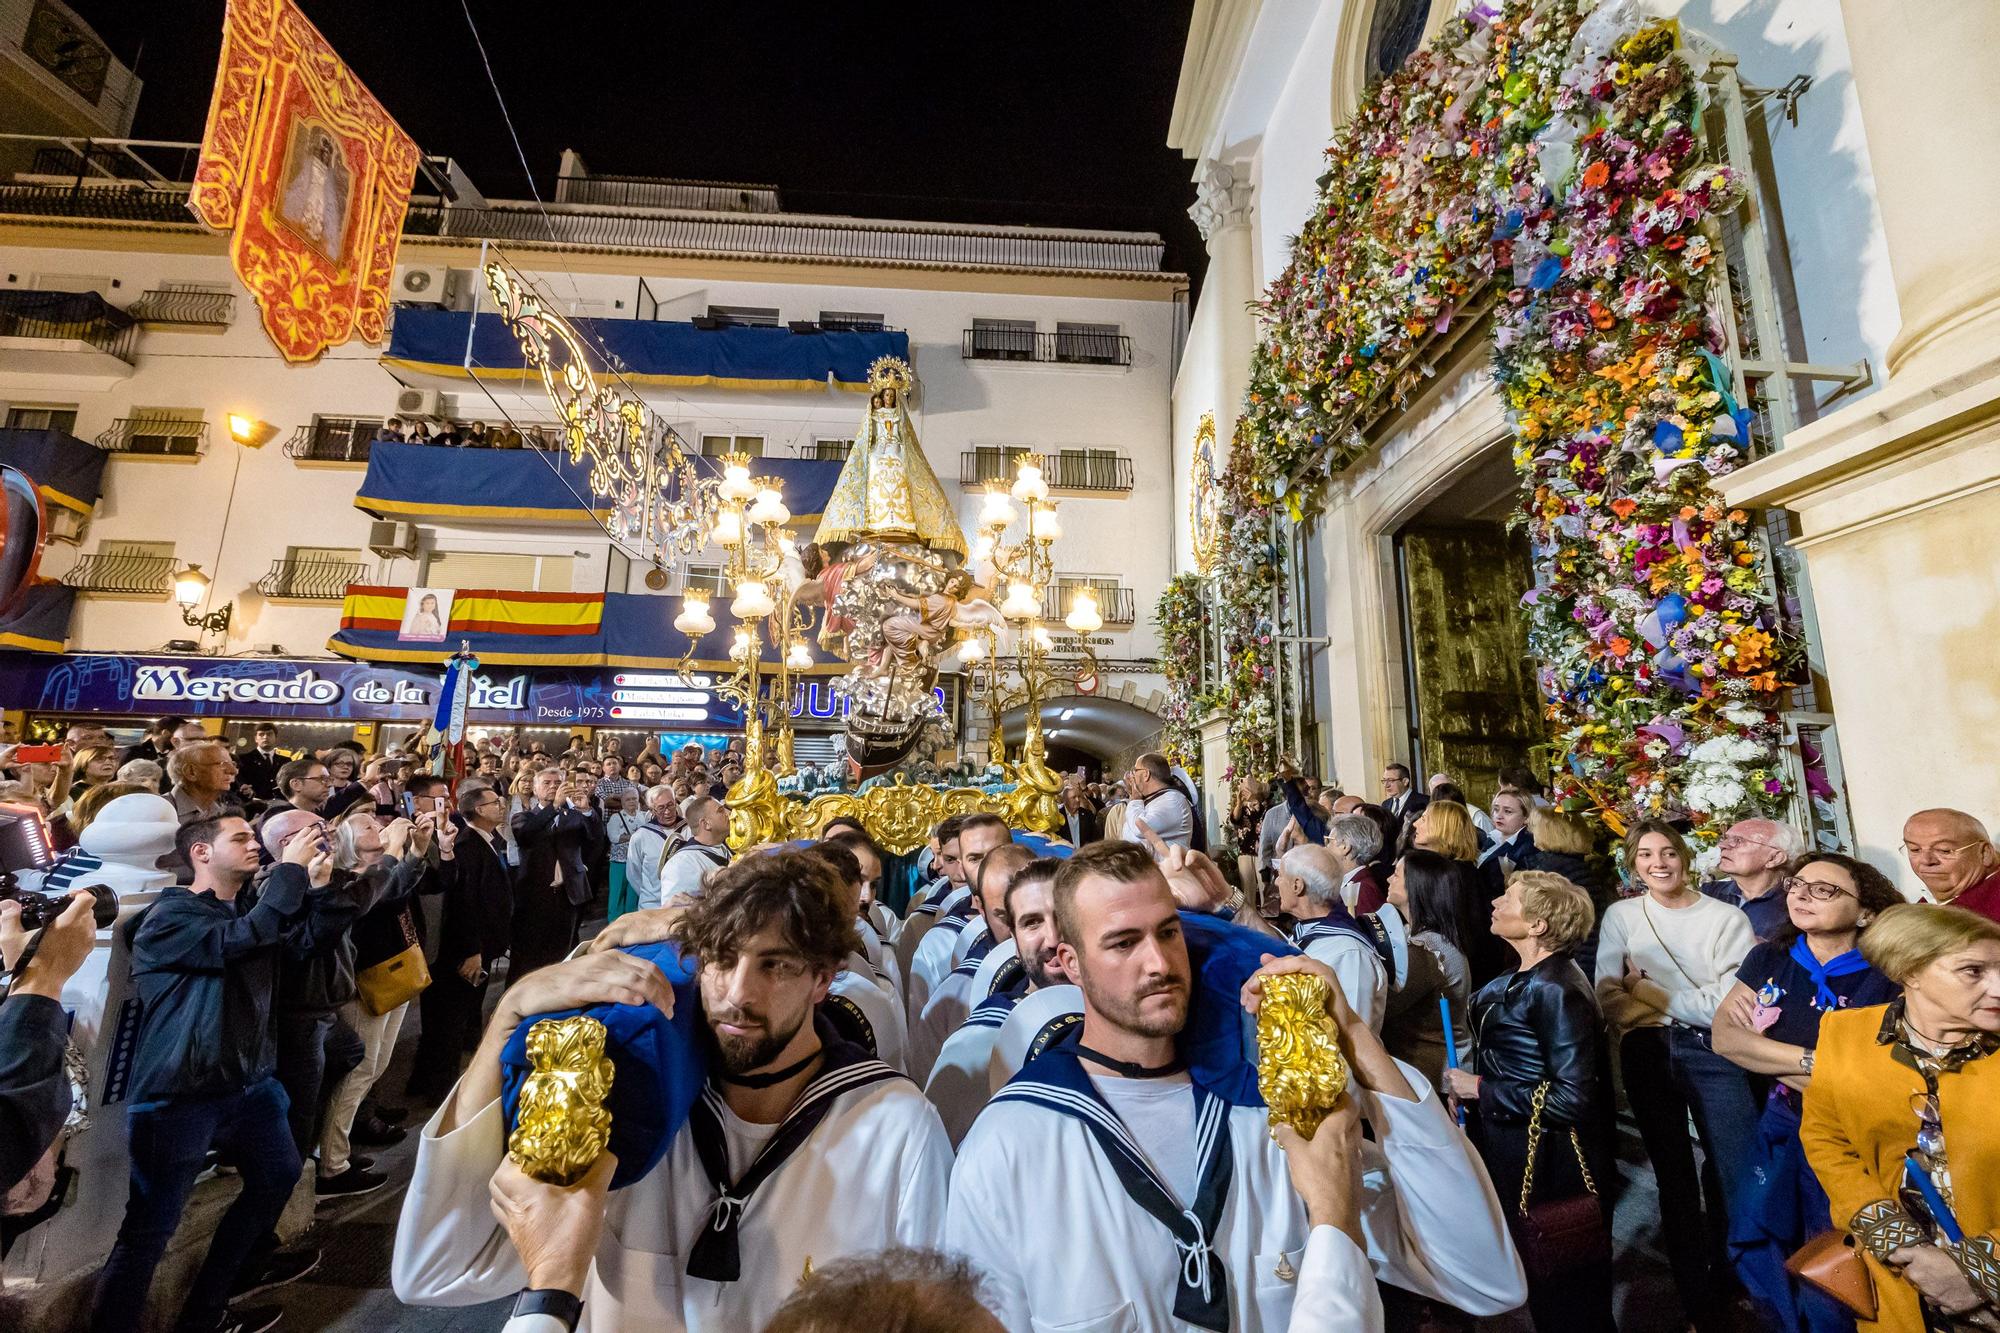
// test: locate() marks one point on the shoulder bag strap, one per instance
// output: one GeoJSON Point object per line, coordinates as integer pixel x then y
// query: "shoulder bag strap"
{"type": "Point", "coordinates": [1535, 1143]}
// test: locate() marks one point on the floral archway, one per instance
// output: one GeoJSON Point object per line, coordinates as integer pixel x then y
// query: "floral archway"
{"type": "Point", "coordinates": [1545, 164]}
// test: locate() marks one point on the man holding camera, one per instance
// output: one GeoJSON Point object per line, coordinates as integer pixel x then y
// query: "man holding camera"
{"type": "Point", "coordinates": [203, 1073]}
{"type": "Point", "coordinates": [558, 832]}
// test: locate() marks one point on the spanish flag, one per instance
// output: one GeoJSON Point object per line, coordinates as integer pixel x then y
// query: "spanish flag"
{"type": "Point", "coordinates": [481, 611]}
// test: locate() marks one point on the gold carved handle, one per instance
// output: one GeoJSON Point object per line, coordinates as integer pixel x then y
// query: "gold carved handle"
{"type": "Point", "coordinates": [1300, 1069]}
{"type": "Point", "coordinates": [561, 1126]}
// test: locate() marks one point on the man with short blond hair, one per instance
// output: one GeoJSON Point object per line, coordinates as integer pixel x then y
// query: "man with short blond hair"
{"type": "Point", "coordinates": [1955, 858]}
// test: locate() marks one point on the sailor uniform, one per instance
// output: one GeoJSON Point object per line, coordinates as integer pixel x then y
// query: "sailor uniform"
{"type": "Point", "coordinates": [948, 1005]}
{"type": "Point", "coordinates": [717, 1235]}
{"type": "Point", "coordinates": [998, 970]}
{"type": "Point", "coordinates": [866, 1011]}
{"type": "Point", "coordinates": [975, 933]}
{"type": "Point", "coordinates": [1357, 954]}
{"type": "Point", "coordinates": [931, 962]}
{"type": "Point", "coordinates": [1049, 1158]}
{"type": "Point", "coordinates": [960, 1079]}
{"type": "Point", "coordinates": [880, 956]}
{"type": "Point", "coordinates": [918, 925]}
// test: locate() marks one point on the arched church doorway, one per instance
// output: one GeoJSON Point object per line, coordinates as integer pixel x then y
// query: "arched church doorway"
{"type": "Point", "coordinates": [1472, 699]}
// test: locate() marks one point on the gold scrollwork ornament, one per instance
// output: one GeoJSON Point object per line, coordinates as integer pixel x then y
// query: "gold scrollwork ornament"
{"type": "Point", "coordinates": [561, 1125]}
{"type": "Point", "coordinates": [898, 815]}
{"type": "Point", "coordinates": [1300, 1070]}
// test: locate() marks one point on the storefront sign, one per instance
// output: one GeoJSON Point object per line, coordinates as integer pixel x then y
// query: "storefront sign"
{"type": "Point", "coordinates": [274, 687]}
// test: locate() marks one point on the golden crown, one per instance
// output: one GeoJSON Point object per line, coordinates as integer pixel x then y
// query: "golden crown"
{"type": "Point", "coordinates": [890, 372]}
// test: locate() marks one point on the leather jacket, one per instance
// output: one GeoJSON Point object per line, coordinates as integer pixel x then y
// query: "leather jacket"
{"type": "Point", "coordinates": [1541, 1025]}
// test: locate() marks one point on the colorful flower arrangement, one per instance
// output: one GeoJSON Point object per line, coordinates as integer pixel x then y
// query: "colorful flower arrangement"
{"type": "Point", "coordinates": [1249, 606]}
{"type": "Point", "coordinates": [1179, 617]}
{"type": "Point", "coordinates": [1548, 159]}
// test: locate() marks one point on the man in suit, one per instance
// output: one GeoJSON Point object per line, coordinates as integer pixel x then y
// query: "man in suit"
{"type": "Point", "coordinates": [1401, 798]}
{"type": "Point", "coordinates": [557, 832]}
{"type": "Point", "coordinates": [257, 767]}
{"type": "Point", "coordinates": [473, 935]}
{"type": "Point", "coordinates": [1081, 822]}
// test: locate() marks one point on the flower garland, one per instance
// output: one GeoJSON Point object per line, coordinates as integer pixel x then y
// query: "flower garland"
{"type": "Point", "coordinates": [1180, 619]}
{"type": "Point", "coordinates": [1550, 157]}
{"type": "Point", "coordinates": [1250, 587]}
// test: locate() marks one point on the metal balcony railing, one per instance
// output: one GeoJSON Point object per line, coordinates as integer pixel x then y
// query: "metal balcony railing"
{"type": "Point", "coordinates": [105, 337]}
{"type": "Point", "coordinates": [1063, 471]}
{"type": "Point", "coordinates": [318, 580]}
{"type": "Point", "coordinates": [333, 440]}
{"type": "Point", "coordinates": [1116, 604]}
{"type": "Point", "coordinates": [191, 308]}
{"type": "Point", "coordinates": [133, 575]}
{"type": "Point", "coordinates": [1069, 349]}
{"type": "Point", "coordinates": [155, 435]}
{"type": "Point", "coordinates": [113, 203]}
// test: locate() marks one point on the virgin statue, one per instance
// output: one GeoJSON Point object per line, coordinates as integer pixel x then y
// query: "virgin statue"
{"type": "Point", "coordinates": [887, 491]}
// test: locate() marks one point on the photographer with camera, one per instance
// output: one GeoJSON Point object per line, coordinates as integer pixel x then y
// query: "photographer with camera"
{"type": "Point", "coordinates": [35, 1091]}
{"type": "Point", "coordinates": [205, 966]}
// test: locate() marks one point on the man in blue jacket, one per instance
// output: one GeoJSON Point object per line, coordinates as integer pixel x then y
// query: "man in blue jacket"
{"type": "Point", "coordinates": [202, 1076]}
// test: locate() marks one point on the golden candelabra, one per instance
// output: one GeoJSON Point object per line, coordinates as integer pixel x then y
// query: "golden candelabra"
{"type": "Point", "coordinates": [749, 526]}
{"type": "Point", "coordinates": [1027, 567]}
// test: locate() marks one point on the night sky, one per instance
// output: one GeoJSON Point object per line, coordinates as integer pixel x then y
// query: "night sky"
{"type": "Point", "coordinates": [952, 110]}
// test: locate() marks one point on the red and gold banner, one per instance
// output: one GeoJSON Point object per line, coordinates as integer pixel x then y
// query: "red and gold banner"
{"type": "Point", "coordinates": [309, 173]}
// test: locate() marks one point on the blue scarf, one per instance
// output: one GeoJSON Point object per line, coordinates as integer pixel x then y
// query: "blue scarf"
{"type": "Point", "coordinates": [1846, 965]}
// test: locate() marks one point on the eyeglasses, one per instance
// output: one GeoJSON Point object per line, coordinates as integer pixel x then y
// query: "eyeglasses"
{"type": "Point", "coordinates": [1740, 840]}
{"type": "Point", "coordinates": [1816, 890]}
{"type": "Point", "coordinates": [1930, 1123]}
{"type": "Point", "coordinates": [1940, 853]}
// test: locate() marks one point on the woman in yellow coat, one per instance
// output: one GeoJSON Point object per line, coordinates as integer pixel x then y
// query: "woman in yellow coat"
{"type": "Point", "coordinates": [1917, 1078]}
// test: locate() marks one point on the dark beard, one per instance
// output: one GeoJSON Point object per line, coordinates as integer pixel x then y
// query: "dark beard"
{"type": "Point", "coordinates": [1122, 1012]}
{"type": "Point", "coordinates": [1039, 975]}
{"type": "Point", "coordinates": [744, 1055]}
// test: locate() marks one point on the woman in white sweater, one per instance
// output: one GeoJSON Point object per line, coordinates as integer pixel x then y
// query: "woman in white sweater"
{"type": "Point", "coordinates": [1665, 959]}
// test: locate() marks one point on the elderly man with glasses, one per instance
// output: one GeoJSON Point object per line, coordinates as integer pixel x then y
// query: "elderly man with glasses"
{"type": "Point", "coordinates": [1955, 858]}
{"type": "Point", "coordinates": [474, 934]}
{"type": "Point", "coordinates": [1754, 855]}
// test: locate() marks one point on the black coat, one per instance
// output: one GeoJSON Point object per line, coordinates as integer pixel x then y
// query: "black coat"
{"type": "Point", "coordinates": [35, 1094]}
{"type": "Point", "coordinates": [478, 901]}
{"type": "Point", "coordinates": [259, 774]}
{"type": "Point", "coordinates": [557, 837]}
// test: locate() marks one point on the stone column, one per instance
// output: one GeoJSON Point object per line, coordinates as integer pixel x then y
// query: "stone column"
{"type": "Point", "coordinates": [1222, 210]}
{"type": "Point", "coordinates": [1897, 495]}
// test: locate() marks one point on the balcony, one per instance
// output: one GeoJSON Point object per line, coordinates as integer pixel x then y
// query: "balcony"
{"type": "Point", "coordinates": [123, 575]}
{"type": "Point", "coordinates": [1077, 473]}
{"type": "Point", "coordinates": [156, 437]}
{"type": "Point", "coordinates": [76, 340]}
{"type": "Point", "coordinates": [1067, 349]}
{"type": "Point", "coordinates": [311, 580]}
{"type": "Point", "coordinates": [1117, 605]}
{"type": "Point", "coordinates": [185, 311]}
{"type": "Point", "coordinates": [333, 440]}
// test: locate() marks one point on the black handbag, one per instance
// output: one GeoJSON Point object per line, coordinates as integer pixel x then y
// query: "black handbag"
{"type": "Point", "coordinates": [1561, 1235]}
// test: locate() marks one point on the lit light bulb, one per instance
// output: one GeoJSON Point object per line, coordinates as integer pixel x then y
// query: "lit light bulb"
{"type": "Point", "coordinates": [736, 484]}
{"type": "Point", "coordinates": [1040, 635]}
{"type": "Point", "coordinates": [728, 529]}
{"type": "Point", "coordinates": [752, 600]}
{"type": "Point", "coordinates": [982, 548]}
{"type": "Point", "coordinates": [800, 657]}
{"type": "Point", "coordinates": [694, 619]}
{"type": "Point", "coordinates": [1084, 616]}
{"type": "Point", "coordinates": [740, 649]}
{"type": "Point", "coordinates": [770, 508]}
{"type": "Point", "coordinates": [1028, 484]}
{"type": "Point", "coordinates": [998, 513]}
{"type": "Point", "coordinates": [1043, 520]}
{"type": "Point", "coordinates": [972, 650]}
{"type": "Point", "coordinates": [1020, 603]}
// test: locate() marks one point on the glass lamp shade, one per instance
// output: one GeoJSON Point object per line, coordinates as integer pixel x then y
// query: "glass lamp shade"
{"type": "Point", "coordinates": [752, 600]}
{"type": "Point", "coordinates": [740, 649]}
{"type": "Point", "coordinates": [1040, 634]}
{"type": "Point", "coordinates": [728, 529]}
{"type": "Point", "coordinates": [1084, 616]}
{"type": "Point", "coordinates": [736, 485]}
{"type": "Point", "coordinates": [1020, 603]}
{"type": "Point", "coordinates": [1044, 522]}
{"type": "Point", "coordinates": [190, 586]}
{"type": "Point", "coordinates": [982, 548]}
{"type": "Point", "coordinates": [694, 619]}
{"type": "Point", "coordinates": [770, 508]}
{"type": "Point", "coordinates": [998, 513]}
{"type": "Point", "coordinates": [972, 650]}
{"type": "Point", "coordinates": [800, 657]}
{"type": "Point", "coordinates": [1028, 484]}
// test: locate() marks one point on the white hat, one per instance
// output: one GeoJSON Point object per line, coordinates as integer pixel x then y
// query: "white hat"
{"type": "Point", "coordinates": [137, 830]}
{"type": "Point", "coordinates": [991, 966]}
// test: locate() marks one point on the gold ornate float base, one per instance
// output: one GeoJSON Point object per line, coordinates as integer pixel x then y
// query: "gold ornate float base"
{"type": "Point", "coordinates": [899, 816]}
{"type": "Point", "coordinates": [561, 1128]}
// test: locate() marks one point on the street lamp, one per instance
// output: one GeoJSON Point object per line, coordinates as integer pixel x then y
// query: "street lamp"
{"type": "Point", "coordinates": [190, 587]}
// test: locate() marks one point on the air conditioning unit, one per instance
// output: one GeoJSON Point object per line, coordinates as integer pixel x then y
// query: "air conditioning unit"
{"type": "Point", "coordinates": [390, 539]}
{"type": "Point", "coordinates": [418, 403]}
{"type": "Point", "coordinates": [425, 284]}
